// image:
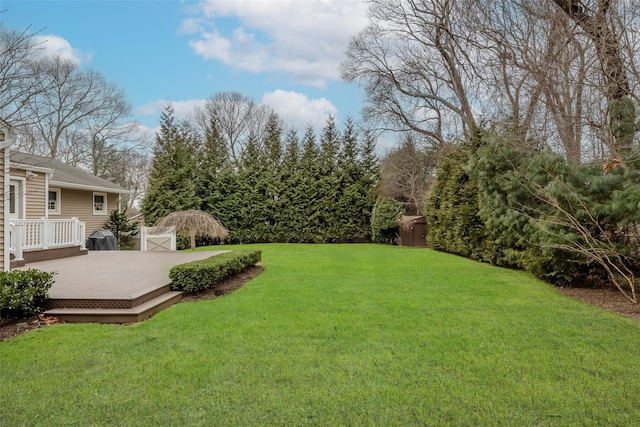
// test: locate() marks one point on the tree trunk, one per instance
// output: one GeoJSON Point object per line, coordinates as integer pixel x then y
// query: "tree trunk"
{"type": "Point", "coordinates": [621, 110]}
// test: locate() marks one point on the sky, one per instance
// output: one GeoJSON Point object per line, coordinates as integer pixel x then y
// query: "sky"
{"type": "Point", "coordinates": [282, 53]}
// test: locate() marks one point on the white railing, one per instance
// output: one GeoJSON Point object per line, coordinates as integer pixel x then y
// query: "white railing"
{"type": "Point", "coordinates": [30, 234]}
{"type": "Point", "coordinates": [15, 243]}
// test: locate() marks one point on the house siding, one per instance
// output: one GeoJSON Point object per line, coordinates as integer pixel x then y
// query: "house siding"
{"type": "Point", "coordinates": [79, 204]}
{"type": "Point", "coordinates": [2, 172]}
{"type": "Point", "coordinates": [35, 197]}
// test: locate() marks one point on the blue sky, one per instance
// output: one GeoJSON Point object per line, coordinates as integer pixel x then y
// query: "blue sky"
{"type": "Point", "coordinates": [282, 53]}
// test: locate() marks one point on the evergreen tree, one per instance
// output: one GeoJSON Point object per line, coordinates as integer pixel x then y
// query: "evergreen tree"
{"type": "Point", "coordinates": [275, 228]}
{"type": "Point", "coordinates": [384, 220]}
{"type": "Point", "coordinates": [454, 223]}
{"type": "Point", "coordinates": [172, 178]}
{"type": "Point", "coordinates": [309, 195]}
{"type": "Point", "coordinates": [211, 160]}
{"type": "Point", "coordinates": [370, 169]}
{"type": "Point", "coordinates": [353, 207]}
{"type": "Point", "coordinates": [292, 212]}
{"type": "Point", "coordinates": [329, 187]}
{"type": "Point", "coordinates": [255, 213]}
{"type": "Point", "coordinates": [122, 228]}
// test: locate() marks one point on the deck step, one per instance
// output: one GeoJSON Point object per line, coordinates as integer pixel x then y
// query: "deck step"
{"type": "Point", "coordinates": [117, 315]}
{"type": "Point", "coordinates": [110, 303]}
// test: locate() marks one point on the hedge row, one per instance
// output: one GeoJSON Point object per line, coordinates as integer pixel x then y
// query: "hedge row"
{"type": "Point", "coordinates": [23, 293]}
{"type": "Point", "coordinates": [205, 274]}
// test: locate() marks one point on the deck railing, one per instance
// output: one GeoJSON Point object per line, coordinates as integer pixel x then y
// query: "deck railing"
{"type": "Point", "coordinates": [32, 234]}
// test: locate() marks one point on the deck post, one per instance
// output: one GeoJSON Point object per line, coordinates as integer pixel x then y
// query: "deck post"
{"type": "Point", "coordinates": [44, 233]}
{"type": "Point", "coordinates": [143, 238]}
{"type": "Point", "coordinates": [16, 232]}
{"type": "Point", "coordinates": [74, 230]}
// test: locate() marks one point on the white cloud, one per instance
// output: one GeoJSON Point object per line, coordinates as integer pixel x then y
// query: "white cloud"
{"type": "Point", "coordinates": [304, 38]}
{"type": "Point", "coordinates": [297, 110]}
{"type": "Point", "coordinates": [52, 45]}
{"type": "Point", "coordinates": [181, 109]}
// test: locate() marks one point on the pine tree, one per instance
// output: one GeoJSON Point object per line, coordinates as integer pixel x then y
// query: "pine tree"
{"type": "Point", "coordinates": [309, 195]}
{"type": "Point", "coordinates": [276, 225]}
{"type": "Point", "coordinates": [329, 187]}
{"type": "Point", "coordinates": [172, 178]}
{"type": "Point", "coordinates": [291, 214]}
{"type": "Point", "coordinates": [211, 160]}
{"type": "Point", "coordinates": [122, 228]}
{"type": "Point", "coordinates": [357, 197]}
{"type": "Point", "coordinates": [452, 210]}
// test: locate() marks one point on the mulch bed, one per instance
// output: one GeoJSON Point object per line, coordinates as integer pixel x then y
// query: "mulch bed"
{"type": "Point", "coordinates": [610, 299]}
{"type": "Point", "coordinates": [226, 285]}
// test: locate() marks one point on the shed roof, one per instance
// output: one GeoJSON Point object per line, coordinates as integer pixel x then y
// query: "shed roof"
{"type": "Point", "coordinates": [412, 217]}
{"type": "Point", "coordinates": [64, 175]}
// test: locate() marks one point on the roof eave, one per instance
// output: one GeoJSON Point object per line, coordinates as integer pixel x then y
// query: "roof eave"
{"type": "Point", "coordinates": [74, 186]}
{"type": "Point", "coordinates": [32, 168]}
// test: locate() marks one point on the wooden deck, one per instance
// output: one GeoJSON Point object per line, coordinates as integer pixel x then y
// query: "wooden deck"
{"type": "Point", "coordinates": [113, 286]}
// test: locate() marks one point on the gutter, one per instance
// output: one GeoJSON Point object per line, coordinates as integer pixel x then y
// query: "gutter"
{"type": "Point", "coordinates": [72, 186]}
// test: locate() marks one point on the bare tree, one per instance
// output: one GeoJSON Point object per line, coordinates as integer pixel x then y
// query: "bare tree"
{"type": "Point", "coordinates": [72, 109]}
{"type": "Point", "coordinates": [412, 60]}
{"type": "Point", "coordinates": [19, 67]}
{"type": "Point", "coordinates": [238, 119]}
{"type": "Point", "coordinates": [406, 172]}
{"type": "Point", "coordinates": [564, 75]}
{"type": "Point", "coordinates": [595, 19]}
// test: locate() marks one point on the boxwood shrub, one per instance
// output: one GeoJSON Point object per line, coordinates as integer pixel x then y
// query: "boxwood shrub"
{"type": "Point", "coordinates": [205, 274]}
{"type": "Point", "coordinates": [23, 292]}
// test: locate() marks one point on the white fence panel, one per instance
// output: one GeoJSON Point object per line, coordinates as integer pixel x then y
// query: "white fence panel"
{"type": "Point", "coordinates": [155, 239]}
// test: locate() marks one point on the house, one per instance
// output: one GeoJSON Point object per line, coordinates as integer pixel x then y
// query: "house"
{"type": "Point", "coordinates": [52, 207]}
{"type": "Point", "coordinates": [6, 139]}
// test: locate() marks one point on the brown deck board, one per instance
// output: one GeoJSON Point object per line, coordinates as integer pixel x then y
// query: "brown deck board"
{"type": "Point", "coordinates": [113, 274]}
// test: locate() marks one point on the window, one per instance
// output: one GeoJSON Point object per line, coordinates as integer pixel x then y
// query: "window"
{"type": "Point", "coordinates": [99, 204]}
{"type": "Point", "coordinates": [53, 201]}
{"type": "Point", "coordinates": [12, 199]}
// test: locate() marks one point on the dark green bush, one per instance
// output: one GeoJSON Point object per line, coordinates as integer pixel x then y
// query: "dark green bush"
{"type": "Point", "coordinates": [451, 210]}
{"type": "Point", "coordinates": [122, 228]}
{"type": "Point", "coordinates": [205, 274]}
{"type": "Point", "coordinates": [384, 220]}
{"type": "Point", "coordinates": [23, 293]}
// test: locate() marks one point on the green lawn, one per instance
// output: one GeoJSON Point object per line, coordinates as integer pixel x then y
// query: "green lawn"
{"type": "Point", "coordinates": [339, 335]}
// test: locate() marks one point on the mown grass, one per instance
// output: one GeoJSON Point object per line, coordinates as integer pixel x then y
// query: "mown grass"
{"type": "Point", "coordinates": [339, 335]}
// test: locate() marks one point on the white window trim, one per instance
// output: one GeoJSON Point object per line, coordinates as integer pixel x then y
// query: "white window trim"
{"type": "Point", "coordinates": [104, 210]}
{"type": "Point", "coordinates": [58, 209]}
{"type": "Point", "coordinates": [21, 191]}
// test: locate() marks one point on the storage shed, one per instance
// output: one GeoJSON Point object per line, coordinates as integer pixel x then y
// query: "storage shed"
{"type": "Point", "coordinates": [413, 231]}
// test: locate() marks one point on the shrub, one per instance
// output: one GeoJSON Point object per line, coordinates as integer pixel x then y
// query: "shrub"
{"type": "Point", "coordinates": [384, 220]}
{"type": "Point", "coordinates": [122, 228]}
{"type": "Point", "coordinates": [23, 293]}
{"type": "Point", "coordinates": [205, 274]}
{"type": "Point", "coordinates": [451, 210]}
